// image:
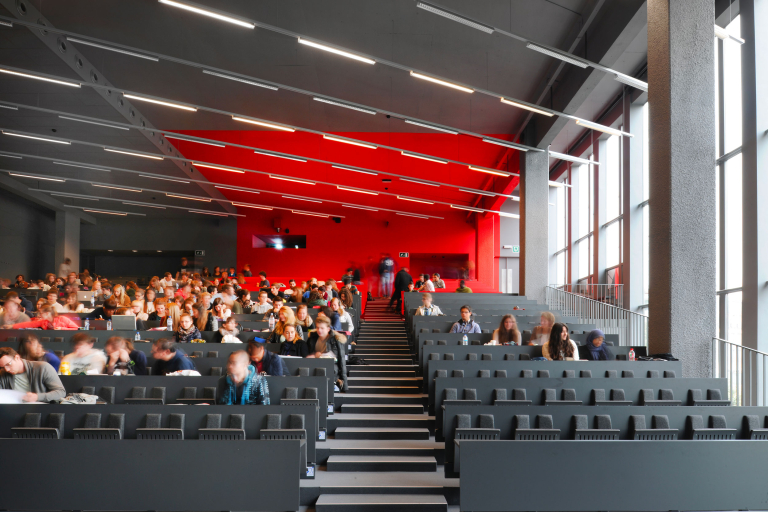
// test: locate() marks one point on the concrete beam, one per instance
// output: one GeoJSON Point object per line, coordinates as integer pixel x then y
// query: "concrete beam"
{"type": "Point", "coordinates": [44, 200]}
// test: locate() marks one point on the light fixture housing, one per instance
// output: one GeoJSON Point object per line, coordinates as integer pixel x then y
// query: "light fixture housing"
{"type": "Point", "coordinates": [354, 170]}
{"type": "Point", "coordinates": [283, 178]}
{"type": "Point", "coordinates": [356, 190]}
{"type": "Point", "coordinates": [303, 199]}
{"type": "Point", "coordinates": [160, 102]}
{"type": "Point", "coordinates": [217, 214]}
{"type": "Point", "coordinates": [65, 142]}
{"type": "Point", "coordinates": [421, 157]}
{"type": "Point", "coordinates": [491, 171]}
{"type": "Point", "coordinates": [442, 82]}
{"type": "Point", "coordinates": [336, 51]}
{"type": "Point", "coordinates": [526, 107]}
{"type": "Point", "coordinates": [117, 188]}
{"type": "Point", "coordinates": [188, 197]}
{"type": "Point", "coordinates": [112, 48]}
{"type": "Point", "coordinates": [161, 178]}
{"type": "Point", "coordinates": [359, 207]}
{"type": "Point", "coordinates": [565, 57]}
{"type": "Point", "coordinates": [262, 123]}
{"type": "Point", "coordinates": [176, 137]}
{"type": "Point", "coordinates": [414, 200]}
{"type": "Point", "coordinates": [479, 192]}
{"type": "Point", "coordinates": [51, 80]}
{"type": "Point", "coordinates": [345, 105]}
{"type": "Point", "coordinates": [346, 141]}
{"type": "Point", "coordinates": [35, 177]}
{"type": "Point", "coordinates": [455, 17]}
{"type": "Point", "coordinates": [631, 81]}
{"type": "Point", "coordinates": [251, 206]}
{"type": "Point", "coordinates": [310, 214]}
{"type": "Point", "coordinates": [599, 127]}
{"type": "Point", "coordinates": [236, 189]}
{"type": "Point", "coordinates": [467, 208]}
{"type": "Point", "coordinates": [153, 157]}
{"type": "Point", "coordinates": [238, 79]}
{"type": "Point", "coordinates": [93, 122]}
{"type": "Point", "coordinates": [208, 166]}
{"type": "Point", "coordinates": [419, 182]}
{"type": "Point", "coordinates": [569, 158]}
{"type": "Point", "coordinates": [211, 13]}
{"type": "Point", "coordinates": [431, 127]}
{"type": "Point", "coordinates": [81, 166]}
{"type": "Point", "coordinates": [723, 34]}
{"type": "Point", "coordinates": [506, 144]}
{"type": "Point", "coordinates": [267, 153]}
{"type": "Point", "coordinates": [412, 215]}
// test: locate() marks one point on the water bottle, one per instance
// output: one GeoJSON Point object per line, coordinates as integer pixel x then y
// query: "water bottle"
{"type": "Point", "coordinates": [169, 323]}
{"type": "Point", "coordinates": [109, 325]}
{"type": "Point", "coordinates": [631, 354]}
{"type": "Point", "coordinates": [465, 340]}
{"type": "Point", "coordinates": [215, 324]}
{"type": "Point", "coordinates": [87, 325]}
{"type": "Point", "coordinates": [137, 337]}
{"type": "Point", "coordinates": [271, 323]}
{"type": "Point", "coordinates": [93, 300]}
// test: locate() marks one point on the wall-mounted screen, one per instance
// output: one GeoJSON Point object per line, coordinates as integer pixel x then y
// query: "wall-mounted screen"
{"type": "Point", "coordinates": [278, 241]}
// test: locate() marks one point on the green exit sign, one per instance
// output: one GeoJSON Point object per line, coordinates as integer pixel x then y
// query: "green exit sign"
{"type": "Point", "coordinates": [515, 248]}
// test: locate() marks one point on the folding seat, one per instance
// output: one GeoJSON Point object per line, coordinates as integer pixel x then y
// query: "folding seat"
{"type": "Point", "coordinates": [666, 397]}
{"type": "Point", "coordinates": [153, 429]}
{"type": "Point", "coordinates": [544, 430]}
{"type": "Point", "coordinates": [92, 429]}
{"type": "Point", "coordinates": [32, 429]}
{"type": "Point", "coordinates": [138, 396]}
{"type": "Point", "coordinates": [501, 374]}
{"type": "Point", "coordinates": [484, 432]}
{"type": "Point", "coordinates": [568, 397]}
{"type": "Point", "coordinates": [714, 397]}
{"type": "Point", "coordinates": [716, 431]}
{"type": "Point", "coordinates": [752, 425]}
{"type": "Point", "coordinates": [660, 430]}
{"type": "Point", "coordinates": [213, 431]}
{"type": "Point", "coordinates": [603, 430]}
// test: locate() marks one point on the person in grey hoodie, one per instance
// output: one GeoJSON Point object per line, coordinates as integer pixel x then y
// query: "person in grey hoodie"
{"type": "Point", "coordinates": [36, 379]}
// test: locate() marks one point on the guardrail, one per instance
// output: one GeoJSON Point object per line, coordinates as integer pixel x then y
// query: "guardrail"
{"type": "Point", "coordinates": [631, 327]}
{"type": "Point", "coordinates": [745, 368]}
{"type": "Point", "coordinates": [612, 294]}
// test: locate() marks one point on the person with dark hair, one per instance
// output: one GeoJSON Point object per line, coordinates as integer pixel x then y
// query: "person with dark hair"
{"type": "Point", "coordinates": [12, 313]}
{"type": "Point", "coordinates": [242, 385]}
{"type": "Point", "coordinates": [325, 342]}
{"type": "Point", "coordinates": [31, 349]}
{"type": "Point", "coordinates": [507, 333]}
{"type": "Point", "coordinates": [402, 280]}
{"type": "Point", "coordinates": [560, 346]}
{"type": "Point", "coordinates": [277, 305]}
{"type": "Point", "coordinates": [243, 302]}
{"type": "Point", "coordinates": [292, 344]}
{"type": "Point", "coordinates": [227, 333]}
{"type": "Point", "coordinates": [466, 325]}
{"type": "Point", "coordinates": [463, 288]}
{"type": "Point", "coordinates": [169, 359]}
{"type": "Point", "coordinates": [36, 379]}
{"type": "Point", "coordinates": [275, 293]}
{"type": "Point", "coordinates": [263, 283]}
{"type": "Point", "coordinates": [439, 283]}
{"type": "Point", "coordinates": [247, 271]}
{"type": "Point", "coordinates": [84, 359]}
{"type": "Point", "coordinates": [104, 312]}
{"type": "Point", "coordinates": [124, 357]}
{"type": "Point", "coordinates": [333, 316]}
{"type": "Point", "coordinates": [598, 351]}
{"type": "Point", "coordinates": [265, 361]}
{"type": "Point", "coordinates": [316, 298]}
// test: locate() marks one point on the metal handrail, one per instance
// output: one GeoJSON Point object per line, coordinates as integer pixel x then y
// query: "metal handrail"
{"type": "Point", "coordinates": [746, 370]}
{"type": "Point", "coordinates": [608, 293]}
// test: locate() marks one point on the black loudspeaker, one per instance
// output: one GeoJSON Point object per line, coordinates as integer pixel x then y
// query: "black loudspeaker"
{"type": "Point", "coordinates": [337, 220]}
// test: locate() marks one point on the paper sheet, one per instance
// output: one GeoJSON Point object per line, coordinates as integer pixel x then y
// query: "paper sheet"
{"type": "Point", "coordinates": [10, 396]}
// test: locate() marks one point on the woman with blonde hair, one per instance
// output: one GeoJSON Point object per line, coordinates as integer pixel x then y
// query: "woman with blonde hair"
{"type": "Point", "coordinates": [122, 299]}
{"type": "Point", "coordinates": [72, 305]}
{"type": "Point", "coordinates": [174, 313]}
{"type": "Point", "coordinates": [285, 317]}
{"type": "Point", "coordinates": [540, 334]}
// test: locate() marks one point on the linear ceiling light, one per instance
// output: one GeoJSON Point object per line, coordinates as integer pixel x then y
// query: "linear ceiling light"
{"type": "Point", "coordinates": [490, 194]}
{"type": "Point", "coordinates": [359, 207]}
{"type": "Point", "coordinates": [11, 156]}
{"type": "Point", "coordinates": [198, 164]}
{"type": "Point", "coordinates": [238, 79]}
{"type": "Point", "coordinates": [354, 170]}
{"type": "Point", "coordinates": [337, 52]}
{"type": "Point", "coordinates": [93, 122]}
{"type": "Point", "coordinates": [237, 189]}
{"type": "Point", "coordinates": [506, 144]}
{"type": "Point", "coordinates": [165, 179]}
{"type": "Point", "coordinates": [9, 107]}
{"type": "Point", "coordinates": [303, 199]}
{"type": "Point", "coordinates": [25, 75]}
{"type": "Point", "coordinates": [354, 143]}
{"type": "Point", "coordinates": [414, 155]}
{"type": "Point", "coordinates": [104, 211]}
{"type": "Point", "coordinates": [420, 182]}
{"type": "Point", "coordinates": [209, 213]}
{"type": "Point", "coordinates": [159, 102]}
{"type": "Point", "coordinates": [193, 140]}
{"type": "Point", "coordinates": [112, 49]}
{"type": "Point", "coordinates": [431, 127]}
{"type": "Point", "coordinates": [35, 177]}
{"type": "Point", "coordinates": [505, 214]}
{"type": "Point", "coordinates": [556, 54]}
{"type": "Point", "coordinates": [412, 215]}
{"type": "Point", "coordinates": [291, 179]}
{"type": "Point", "coordinates": [414, 200]}
{"type": "Point", "coordinates": [442, 82]}
{"type": "Point", "coordinates": [188, 6]}
{"type": "Point", "coordinates": [251, 206]}
{"type": "Point", "coordinates": [153, 157]}
{"type": "Point", "coordinates": [188, 197]}
{"type": "Point", "coordinates": [340, 104]}
{"type": "Point", "coordinates": [311, 214]}
{"type": "Point", "coordinates": [82, 166]}
{"type": "Point", "coordinates": [600, 127]}
{"type": "Point", "coordinates": [526, 107]}
{"type": "Point", "coordinates": [73, 196]}
{"type": "Point", "coordinates": [723, 34]}
{"type": "Point", "coordinates": [489, 171]}
{"type": "Point", "coordinates": [145, 205]}
{"type": "Point", "coordinates": [455, 17]}
{"type": "Point", "coordinates": [279, 156]}
{"type": "Point", "coordinates": [633, 82]}
{"type": "Point", "coordinates": [356, 190]}
{"type": "Point", "coordinates": [6, 23]}
{"type": "Point", "coordinates": [569, 158]}
{"type": "Point", "coordinates": [556, 184]}
{"type": "Point", "coordinates": [38, 138]}
{"type": "Point", "coordinates": [118, 188]}
{"type": "Point", "coordinates": [468, 208]}
{"type": "Point", "coordinates": [260, 123]}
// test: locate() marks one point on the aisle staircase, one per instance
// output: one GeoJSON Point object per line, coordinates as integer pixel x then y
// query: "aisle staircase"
{"type": "Point", "coordinates": [381, 454]}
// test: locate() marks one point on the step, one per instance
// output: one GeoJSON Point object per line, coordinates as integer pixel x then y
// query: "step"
{"type": "Point", "coordinates": [381, 503]}
{"type": "Point", "coordinates": [383, 349]}
{"type": "Point", "coordinates": [400, 447]}
{"type": "Point", "coordinates": [380, 463]}
{"type": "Point", "coordinates": [384, 381]}
{"type": "Point", "coordinates": [380, 356]}
{"type": "Point", "coordinates": [382, 408]}
{"type": "Point", "coordinates": [377, 420]}
{"type": "Point", "coordinates": [375, 367]}
{"type": "Point", "coordinates": [354, 372]}
{"type": "Point", "coordinates": [384, 433]}
{"type": "Point", "coordinates": [384, 389]}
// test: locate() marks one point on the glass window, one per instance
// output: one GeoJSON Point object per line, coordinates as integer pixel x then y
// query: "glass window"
{"type": "Point", "coordinates": [583, 183]}
{"type": "Point", "coordinates": [562, 271]}
{"type": "Point", "coordinates": [646, 255]}
{"type": "Point", "coordinates": [584, 258]}
{"type": "Point", "coordinates": [612, 171]}
{"type": "Point", "coordinates": [562, 218]}
{"type": "Point", "coordinates": [733, 223]}
{"type": "Point", "coordinates": [612, 242]}
{"type": "Point", "coordinates": [732, 89]}
{"type": "Point", "coordinates": [646, 163]}
{"type": "Point", "coordinates": [733, 317]}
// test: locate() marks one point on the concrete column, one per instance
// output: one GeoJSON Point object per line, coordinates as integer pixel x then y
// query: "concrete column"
{"type": "Point", "coordinates": [598, 217]}
{"type": "Point", "coordinates": [633, 196]}
{"type": "Point", "coordinates": [576, 176]}
{"type": "Point", "coordinates": [681, 76]}
{"type": "Point", "coordinates": [67, 240]}
{"type": "Point", "coordinates": [534, 220]}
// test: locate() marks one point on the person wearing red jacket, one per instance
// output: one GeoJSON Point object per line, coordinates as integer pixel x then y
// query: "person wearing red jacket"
{"type": "Point", "coordinates": [48, 319]}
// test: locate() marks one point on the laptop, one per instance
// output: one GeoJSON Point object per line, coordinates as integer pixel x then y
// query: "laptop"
{"type": "Point", "coordinates": [123, 323]}
{"type": "Point", "coordinates": [84, 296]}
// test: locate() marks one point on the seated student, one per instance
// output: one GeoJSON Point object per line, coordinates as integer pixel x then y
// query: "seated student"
{"type": "Point", "coordinates": [316, 299]}
{"type": "Point", "coordinates": [141, 316]}
{"type": "Point", "coordinates": [52, 300]}
{"type": "Point", "coordinates": [439, 283]}
{"type": "Point", "coordinates": [72, 305]}
{"type": "Point", "coordinates": [31, 349]}
{"type": "Point", "coordinates": [277, 305]}
{"type": "Point", "coordinates": [219, 310]}
{"type": "Point", "coordinates": [187, 330]}
{"type": "Point", "coordinates": [159, 314]}
{"type": "Point", "coordinates": [302, 317]}
{"type": "Point", "coordinates": [344, 316]}
{"type": "Point", "coordinates": [540, 333]}
{"type": "Point", "coordinates": [463, 288]}
{"type": "Point", "coordinates": [169, 359]}
{"type": "Point", "coordinates": [275, 293]}
{"type": "Point", "coordinates": [332, 289]}
{"type": "Point", "coordinates": [105, 311]}
{"type": "Point", "coordinates": [263, 283]}
{"type": "Point", "coordinates": [427, 308]}
{"type": "Point", "coordinates": [247, 271]}
{"type": "Point", "coordinates": [598, 350]}
{"type": "Point", "coordinates": [427, 285]}
{"type": "Point", "coordinates": [167, 281]}
{"type": "Point", "coordinates": [346, 297]}
{"type": "Point", "coordinates": [263, 306]}
{"type": "Point", "coordinates": [120, 296]}
{"type": "Point", "coordinates": [411, 287]}
{"type": "Point", "coordinates": [284, 317]}
{"type": "Point", "coordinates": [123, 356]}
{"type": "Point", "coordinates": [292, 344]}
{"type": "Point", "coordinates": [560, 346]}
{"type": "Point", "coordinates": [333, 316]}
{"type": "Point", "coordinates": [84, 358]}
{"type": "Point", "coordinates": [12, 314]}
{"type": "Point", "coordinates": [308, 291]}
{"type": "Point", "coordinates": [325, 342]}
{"type": "Point", "coordinates": [243, 305]}
{"type": "Point", "coordinates": [36, 379]}
{"type": "Point", "coordinates": [48, 319]}
{"type": "Point", "coordinates": [227, 332]}
{"type": "Point", "coordinates": [507, 333]}
{"type": "Point", "coordinates": [242, 385]}
{"type": "Point", "coordinates": [466, 325]}
{"type": "Point", "coordinates": [265, 361]}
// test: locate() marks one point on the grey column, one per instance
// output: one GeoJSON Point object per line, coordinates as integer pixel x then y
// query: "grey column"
{"type": "Point", "coordinates": [576, 176]}
{"type": "Point", "coordinates": [67, 240]}
{"type": "Point", "coordinates": [633, 196]}
{"type": "Point", "coordinates": [598, 217]}
{"type": "Point", "coordinates": [534, 220]}
{"type": "Point", "coordinates": [681, 76]}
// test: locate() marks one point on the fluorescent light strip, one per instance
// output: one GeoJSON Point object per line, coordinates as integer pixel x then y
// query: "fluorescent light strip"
{"type": "Point", "coordinates": [67, 143]}
{"type": "Point", "coordinates": [82, 166]}
{"type": "Point", "coordinates": [11, 156]}
{"type": "Point", "coordinates": [339, 104]}
{"type": "Point", "coordinates": [291, 179]}
{"type": "Point", "coordinates": [195, 141]}
{"type": "Point", "coordinates": [526, 107]}
{"type": "Point", "coordinates": [112, 49]}
{"type": "Point", "coordinates": [411, 215]}
{"type": "Point", "coordinates": [9, 107]}
{"type": "Point", "coordinates": [413, 155]}
{"type": "Point", "coordinates": [359, 207]}
{"type": "Point", "coordinates": [469, 209]}
{"type": "Point", "coordinates": [279, 156]}
{"type": "Point", "coordinates": [35, 177]}
{"type": "Point", "coordinates": [506, 144]}
{"type": "Point", "coordinates": [25, 75]}
{"type": "Point", "coordinates": [198, 164]}
{"type": "Point", "coordinates": [209, 213]}
{"type": "Point", "coordinates": [556, 184]}
{"type": "Point", "coordinates": [260, 123]}
{"type": "Point", "coordinates": [303, 199]}
{"type": "Point", "coordinates": [454, 17]}
{"type": "Point", "coordinates": [414, 200]}
{"type": "Point", "coordinates": [310, 214]}
{"type": "Point", "coordinates": [477, 192]}
{"type": "Point", "coordinates": [557, 55]}
{"type": "Point", "coordinates": [75, 197]}
{"type": "Point", "coordinates": [243, 22]}
{"type": "Point", "coordinates": [108, 213]}
{"type": "Point", "coordinates": [117, 188]}
{"type": "Point", "coordinates": [489, 171]}
{"type": "Point", "coordinates": [159, 102]}
{"type": "Point", "coordinates": [337, 52]}
{"type": "Point", "coordinates": [442, 82]}
{"type": "Point", "coordinates": [354, 170]}
{"type": "Point", "coordinates": [6, 23]}
{"type": "Point", "coordinates": [419, 182]}
{"type": "Point", "coordinates": [146, 205]}
{"type": "Point", "coordinates": [634, 82]}
{"type": "Point", "coordinates": [238, 79]}
{"type": "Point", "coordinates": [187, 197]}
{"type": "Point", "coordinates": [251, 206]}
{"type": "Point", "coordinates": [237, 189]}
{"type": "Point", "coordinates": [153, 157]}
{"type": "Point", "coordinates": [356, 190]}
{"type": "Point", "coordinates": [723, 34]}
{"type": "Point", "coordinates": [569, 158]}
{"type": "Point", "coordinates": [165, 179]}
{"type": "Point", "coordinates": [93, 122]}
{"type": "Point", "coordinates": [354, 143]}
{"type": "Point", "coordinates": [431, 127]}
{"type": "Point", "coordinates": [598, 127]}
{"type": "Point", "coordinates": [505, 214]}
